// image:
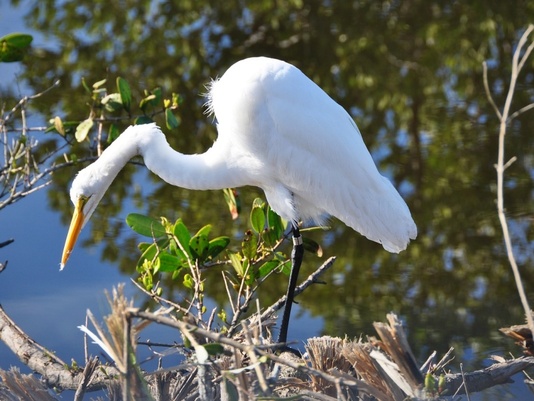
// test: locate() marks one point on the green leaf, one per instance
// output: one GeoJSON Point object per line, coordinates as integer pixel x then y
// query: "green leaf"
{"type": "Point", "coordinates": [267, 267]}
{"type": "Point", "coordinates": [170, 119]}
{"type": "Point", "coordinates": [270, 237]}
{"type": "Point", "coordinates": [146, 101]}
{"type": "Point", "coordinates": [231, 389]}
{"type": "Point", "coordinates": [250, 275]}
{"type": "Point", "coordinates": [151, 99]}
{"type": "Point", "coordinates": [286, 267]}
{"type": "Point", "coordinates": [83, 129]}
{"type": "Point", "coordinates": [176, 100]}
{"type": "Point", "coordinates": [125, 93]}
{"type": "Point", "coordinates": [143, 246]}
{"type": "Point", "coordinates": [181, 232]}
{"type": "Point", "coordinates": [68, 126]}
{"type": "Point", "coordinates": [257, 215]}
{"type": "Point", "coordinates": [10, 54]}
{"type": "Point", "coordinates": [222, 315]}
{"type": "Point", "coordinates": [235, 260]}
{"type": "Point", "coordinates": [112, 102]}
{"type": "Point", "coordinates": [143, 120]}
{"type": "Point", "coordinates": [275, 223]}
{"type": "Point", "coordinates": [14, 46]}
{"type": "Point", "coordinates": [157, 93]}
{"type": "Point", "coordinates": [214, 348]}
{"type": "Point", "coordinates": [149, 252]}
{"type": "Point", "coordinates": [147, 281]}
{"type": "Point", "coordinates": [144, 225]}
{"type": "Point", "coordinates": [199, 246]}
{"type": "Point", "coordinates": [17, 40]}
{"type": "Point", "coordinates": [113, 133]}
{"type": "Point", "coordinates": [188, 281]}
{"type": "Point", "coordinates": [249, 246]}
{"type": "Point", "coordinates": [166, 262]}
{"type": "Point", "coordinates": [217, 245]}
{"type": "Point", "coordinates": [204, 230]}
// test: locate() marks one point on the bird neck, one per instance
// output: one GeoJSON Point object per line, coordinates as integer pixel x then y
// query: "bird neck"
{"type": "Point", "coordinates": [209, 170]}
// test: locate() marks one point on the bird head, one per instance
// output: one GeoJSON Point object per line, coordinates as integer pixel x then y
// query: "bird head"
{"type": "Point", "coordinates": [86, 192]}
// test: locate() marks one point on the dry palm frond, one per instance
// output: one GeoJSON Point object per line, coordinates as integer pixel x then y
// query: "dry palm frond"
{"type": "Point", "coordinates": [368, 370]}
{"type": "Point", "coordinates": [325, 354]}
{"type": "Point", "coordinates": [15, 386]}
{"type": "Point", "coordinates": [394, 343]}
{"type": "Point", "coordinates": [119, 343]}
{"type": "Point", "coordinates": [388, 364]}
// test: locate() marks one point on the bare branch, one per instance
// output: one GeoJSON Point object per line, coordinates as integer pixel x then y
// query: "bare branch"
{"type": "Point", "coordinates": [54, 371]}
{"type": "Point", "coordinates": [519, 112]}
{"type": "Point", "coordinates": [488, 91]}
{"type": "Point", "coordinates": [529, 49]}
{"type": "Point", "coordinates": [501, 166]}
{"type": "Point", "coordinates": [498, 373]}
{"type": "Point", "coordinates": [509, 163]}
{"type": "Point", "coordinates": [312, 279]}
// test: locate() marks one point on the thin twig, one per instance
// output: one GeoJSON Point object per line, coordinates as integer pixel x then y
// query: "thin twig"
{"type": "Point", "coordinates": [520, 111]}
{"type": "Point", "coordinates": [88, 371]}
{"type": "Point", "coordinates": [312, 279]}
{"type": "Point", "coordinates": [220, 338]}
{"type": "Point", "coordinates": [488, 91]}
{"type": "Point", "coordinates": [255, 362]}
{"type": "Point", "coordinates": [517, 64]}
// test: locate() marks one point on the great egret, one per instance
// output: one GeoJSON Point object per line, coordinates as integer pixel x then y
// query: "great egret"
{"type": "Point", "coordinates": [278, 131]}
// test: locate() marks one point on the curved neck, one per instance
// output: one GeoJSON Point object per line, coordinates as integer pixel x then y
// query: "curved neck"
{"type": "Point", "coordinates": [208, 170]}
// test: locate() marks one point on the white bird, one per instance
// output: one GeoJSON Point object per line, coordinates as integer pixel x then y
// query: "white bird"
{"type": "Point", "coordinates": [279, 131]}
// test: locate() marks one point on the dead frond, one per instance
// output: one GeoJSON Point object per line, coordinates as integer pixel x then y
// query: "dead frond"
{"type": "Point", "coordinates": [15, 386]}
{"type": "Point", "coordinates": [119, 342]}
{"type": "Point", "coordinates": [325, 354]}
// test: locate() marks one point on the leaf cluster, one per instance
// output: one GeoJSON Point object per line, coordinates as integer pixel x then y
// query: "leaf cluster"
{"type": "Point", "coordinates": [177, 252]}
{"type": "Point", "coordinates": [175, 248]}
{"type": "Point", "coordinates": [113, 105]}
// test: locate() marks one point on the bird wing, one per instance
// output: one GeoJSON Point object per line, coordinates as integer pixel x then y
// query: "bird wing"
{"type": "Point", "coordinates": [287, 136]}
{"type": "Point", "coordinates": [318, 154]}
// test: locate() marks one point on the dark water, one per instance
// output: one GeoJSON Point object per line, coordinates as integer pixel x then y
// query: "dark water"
{"type": "Point", "coordinates": [410, 73]}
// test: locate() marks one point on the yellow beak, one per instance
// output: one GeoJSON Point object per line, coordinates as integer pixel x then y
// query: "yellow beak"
{"type": "Point", "coordinates": [74, 230]}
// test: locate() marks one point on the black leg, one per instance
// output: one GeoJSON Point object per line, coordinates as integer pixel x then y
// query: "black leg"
{"type": "Point", "coordinates": [296, 261]}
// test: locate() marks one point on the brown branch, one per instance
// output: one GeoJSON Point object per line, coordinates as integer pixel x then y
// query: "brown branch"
{"type": "Point", "coordinates": [57, 374]}
{"type": "Point", "coordinates": [312, 279]}
{"type": "Point", "coordinates": [498, 373]}
{"type": "Point", "coordinates": [88, 372]}
{"type": "Point", "coordinates": [222, 339]}
{"type": "Point", "coordinates": [54, 371]}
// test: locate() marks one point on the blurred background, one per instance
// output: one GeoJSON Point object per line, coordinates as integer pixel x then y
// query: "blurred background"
{"type": "Point", "coordinates": [408, 72]}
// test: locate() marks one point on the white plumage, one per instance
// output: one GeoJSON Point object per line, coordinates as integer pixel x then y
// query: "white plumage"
{"type": "Point", "coordinates": [279, 131]}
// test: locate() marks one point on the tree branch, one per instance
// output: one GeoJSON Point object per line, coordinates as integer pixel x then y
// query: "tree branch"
{"type": "Point", "coordinates": [517, 64]}
{"type": "Point", "coordinates": [54, 371]}
{"type": "Point", "coordinates": [498, 373]}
